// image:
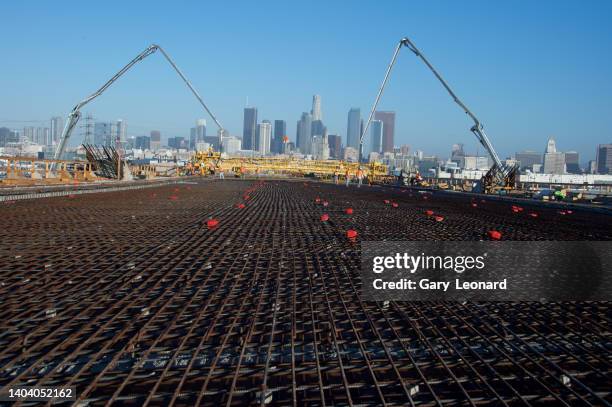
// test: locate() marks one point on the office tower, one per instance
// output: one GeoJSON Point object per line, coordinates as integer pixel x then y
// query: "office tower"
{"type": "Point", "coordinates": [264, 131]}
{"type": "Point", "coordinates": [317, 128]}
{"type": "Point", "coordinates": [388, 119]}
{"type": "Point", "coordinates": [335, 146]}
{"type": "Point", "coordinates": [572, 162]}
{"type": "Point", "coordinates": [121, 131]}
{"type": "Point", "coordinates": [528, 158]}
{"type": "Point", "coordinates": [200, 129]}
{"type": "Point", "coordinates": [57, 127]}
{"type": "Point", "coordinates": [28, 133]}
{"type": "Point", "coordinates": [554, 162]}
{"type": "Point", "coordinates": [353, 128]}
{"type": "Point", "coordinates": [249, 129]}
{"type": "Point", "coordinates": [305, 133]}
{"type": "Point", "coordinates": [316, 109]}
{"type": "Point", "coordinates": [176, 142]}
{"type": "Point", "coordinates": [280, 131]}
{"type": "Point", "coordinates": [4, 136]}
{"type": "Point", "coordinates": [604, 159]}
{"type": "Point", "coordinates": [155, 142]}
{"type": "Point", "coordinates": [192, 138]}
{"type": "Point", "coordinates": [376, 134]}
{"type": "Point", "coordinates": [143, 143]}
{"type": "Point", "coordinates": [320, 147]}
{"type": "Point", "coordinates": [102, 134]}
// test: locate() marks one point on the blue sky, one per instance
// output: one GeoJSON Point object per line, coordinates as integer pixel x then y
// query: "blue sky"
{"type": "Point", "coordinates": [528, 69]}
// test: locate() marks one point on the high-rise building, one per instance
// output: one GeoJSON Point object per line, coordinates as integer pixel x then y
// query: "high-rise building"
{"type": "Point", "coordinates": [249, 129]}
{"type": "Point", "coordinates": [335, 146]}
{"type": "Point", "coordinates": [200, 130]}
{"type": "Point", "coordinates": [353, 128]}
{"type": "Point", "coordinates": [554, 161]}
{"type": "Point", "coordinates": [121, 131]}
{"type": "Point", "coordinates": [5, 136]}
{"type": "Point", "coordinates": [316, 109]}
{"type": "Point", "coordinates": [29, 133]}
{"type": "Point", "coordinates": [192, 138]}
{"type": "Point", "coordinates": [376, 134]}
{"type": "Point", "coordinates": [604, 159]}
{"type": "Point", "coordinates": [264, 131]}
{"type": "Point", "coordinates": [320, 147]}
{"type": "Point", "coordinates": [280, 131]}
{"type": "Point", "coordinates": [305, 133]}
{"type": "Point", "coordinates": [155, 140]}
{"type": "Point", "coordinates": [388, 119]}
{"type": "Point", "coordinates": [528, 158]}
{"type": "Point", "coordinates": [103, 134]}
{"type": "Point", "coordinates": [572, 162]}
{"type": "Point", "coordinates": [142, 142]}
{"type": "Point", "coordinates": [317, 128]}
{"type": "Point", "coordinates": [57, 127]}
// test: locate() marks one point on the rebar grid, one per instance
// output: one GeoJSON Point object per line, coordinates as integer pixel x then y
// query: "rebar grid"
{"type": "Point", "coordinates": [130, 297]}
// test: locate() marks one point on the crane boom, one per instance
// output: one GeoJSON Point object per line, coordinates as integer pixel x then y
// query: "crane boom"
{"type": "Point", "coordinates": [477, 128]}
{"type": "Point", "coordinates": [75, 113]}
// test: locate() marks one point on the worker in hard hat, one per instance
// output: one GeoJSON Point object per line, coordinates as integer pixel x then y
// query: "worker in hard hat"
{"type": "Point", "coordinates": [348, 177]}
{"type": "Point", "coordinates": [359, 177]}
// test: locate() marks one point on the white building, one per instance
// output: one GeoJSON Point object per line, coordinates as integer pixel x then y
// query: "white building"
{"type": "Point", "coordinates": [264, 130]}
{"type": "Point", "coordinates": [320, 147]}
{"type": "Point", "coordinates": [351, 154]}
{"type": "Point", "coordinates": [554, 161]}
{"type": "Point", "coordinates": [231, 145]}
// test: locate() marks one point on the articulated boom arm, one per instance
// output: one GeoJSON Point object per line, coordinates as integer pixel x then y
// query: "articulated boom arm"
{"type": "Point", "coordinates": [75, 114]}
{"type": "Point", "coordinates": [477, 128]}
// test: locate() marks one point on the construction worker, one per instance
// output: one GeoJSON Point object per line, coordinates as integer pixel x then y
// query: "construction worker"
{"type": "Point", "coordinates": [359, 177]}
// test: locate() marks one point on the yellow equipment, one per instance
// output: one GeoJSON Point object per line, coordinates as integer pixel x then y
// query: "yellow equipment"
{"type": "Point", "coordinates": [210, 162]}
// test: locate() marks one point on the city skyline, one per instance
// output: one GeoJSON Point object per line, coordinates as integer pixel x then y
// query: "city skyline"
{"type": "Point", "coordinates": [522, 86]}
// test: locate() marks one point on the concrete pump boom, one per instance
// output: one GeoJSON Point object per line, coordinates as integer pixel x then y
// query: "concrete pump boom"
{"type": "Point", "coordinates": [477, 128]}
{"type": "Point", "coordinates": [75, 114]}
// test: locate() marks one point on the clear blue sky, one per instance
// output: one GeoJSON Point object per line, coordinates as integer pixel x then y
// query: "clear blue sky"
{"type": "Point", "coordinates": [529, 69]}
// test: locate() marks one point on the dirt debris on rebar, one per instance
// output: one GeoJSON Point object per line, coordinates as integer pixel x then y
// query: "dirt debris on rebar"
{"type": "Point", "coordinates": [133, 299]}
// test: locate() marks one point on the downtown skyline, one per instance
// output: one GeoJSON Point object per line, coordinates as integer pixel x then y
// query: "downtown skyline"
{"type": "Point", "coordinates": [524, 84]}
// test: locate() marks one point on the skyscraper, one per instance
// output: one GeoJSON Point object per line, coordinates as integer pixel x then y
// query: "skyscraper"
{"type": "Point", "coordinates": [264, 130]}
{"type": "Point", "coordinates": [353, 128]}
{"type": "Point", "coordinates": [376, 133]}
{"type": "Point", "coordinates": [155, 140]}
{"type": "Point", "coordinates": [305, 133]}
{"type": "Point", "coordinates": [335, 146]}
{"type": "Point", "coordinates": [572, 162]}
{"type": "Point", "coordinates": [121, 130]}
{"type": "Point", "coordinates": [604, 159]}
{"type": "Point", "coordinates": [316, 108]}
{"type": "Point", "coordinates": [280, 131]}
{"type": "Point", "coordinates": [554, 162]}
{"type": "Point", "coordinates": [57, 127]}
{"type": "Point", "coordinates": [388, 119]}
{"type": "Point", "coordinates": [102, 134]}
{"type": "Point", "coordinates": [249, 129]}
{"type": "Point", "coordinates": [200, 130]}
{"type": "Point", "coordinates": [528, 158]}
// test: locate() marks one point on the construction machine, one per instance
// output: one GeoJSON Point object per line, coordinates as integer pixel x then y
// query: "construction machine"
{"type": "Point", "coordinates": [75, 114]}
{"type": "Point", "coordinates": [500, 175]}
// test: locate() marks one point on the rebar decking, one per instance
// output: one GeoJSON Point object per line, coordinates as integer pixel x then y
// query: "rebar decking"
{"type": "Point", "coordinates": [131, 297]}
